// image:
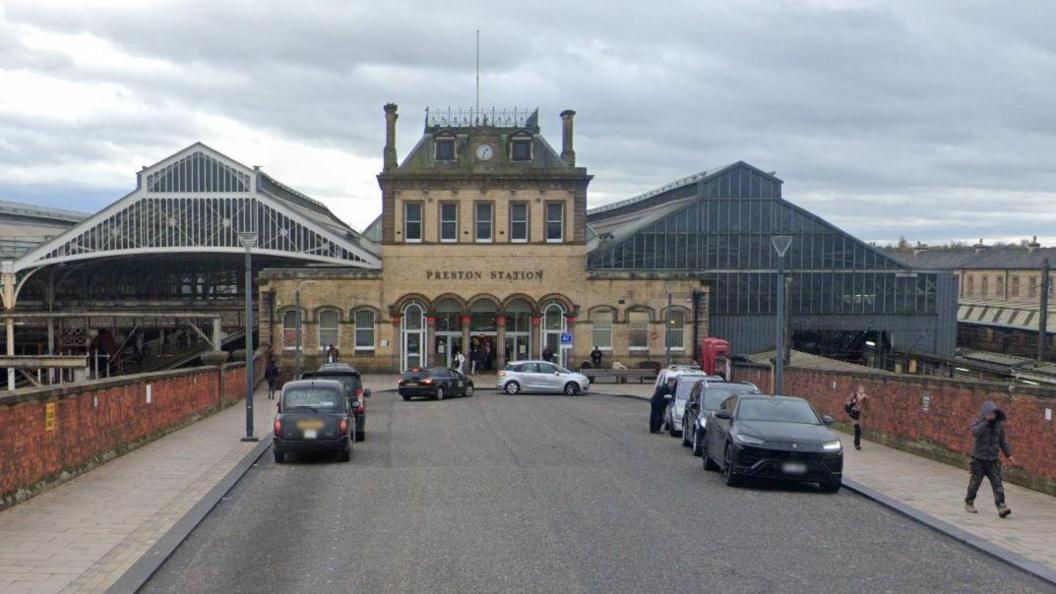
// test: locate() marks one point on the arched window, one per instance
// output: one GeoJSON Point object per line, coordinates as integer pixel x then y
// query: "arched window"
{"type": "Point", "coordinates": [553, 328]}
{"type": "Point", "coordinates": [676, 333]}
{"type": "Point", "coordinates": [290, 323]}
{"type": "Point", "coordinates": [329, 329]}
{"type": "Point", "coordinates": [638, 330]}
{"type": "Point", "coordinates": [364, 330]}
{"type": "Point", "coordinates": [413, 330]}
{"type": "Point", "coordinates": [602, 333]}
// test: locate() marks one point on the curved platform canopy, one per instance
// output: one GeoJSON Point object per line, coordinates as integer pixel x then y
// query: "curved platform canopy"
{"type": "Point", "coordinates": [200, 201]}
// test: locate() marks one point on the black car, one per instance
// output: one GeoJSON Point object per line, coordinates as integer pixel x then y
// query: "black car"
{"type": "Point", "coordinates": [434, 382]}
{"type": "Point", "coordinates": [705, 397]}
{"type": "Point", "coordinates": [773, 437]}
{"type": "Point", "coordinates": [353, 383]}
{"type": "Point", "coordinates": [314, 416]}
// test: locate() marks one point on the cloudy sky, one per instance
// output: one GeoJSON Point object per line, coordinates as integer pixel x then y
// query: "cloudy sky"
{"type": "Point", "coordinates": [931, 120]}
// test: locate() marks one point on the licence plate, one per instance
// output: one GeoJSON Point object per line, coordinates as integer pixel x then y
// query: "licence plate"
{"type": "Point", "coordinates": [411, 384]}
{"type": "Point", "coordinates": [310, 434]}
{"type": "Point", "coordinates": [794, 468]}
{"type": "Point", "coordinates": [303, 425]}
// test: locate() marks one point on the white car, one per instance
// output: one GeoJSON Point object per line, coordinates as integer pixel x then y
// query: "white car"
{"type": "Point", "coordinates": [540, 376]}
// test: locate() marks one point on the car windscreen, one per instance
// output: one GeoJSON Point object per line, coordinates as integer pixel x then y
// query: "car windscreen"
{"type": "Point", "coordinates": [312, 399]}
{"type": "Point", "coordinates": [685, 386]}
{"type": "Point", "coordinates": [351, 382]}
{"type": "Point", "coordinates": [415, 374]}
{"type": "Point", "coordinates": [714, 395]}
{"type": "Point", "coordinates": [777, 410]}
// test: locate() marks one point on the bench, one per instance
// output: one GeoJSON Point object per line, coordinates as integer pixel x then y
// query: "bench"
{"type": "Point", "coordinates": [618, 376]}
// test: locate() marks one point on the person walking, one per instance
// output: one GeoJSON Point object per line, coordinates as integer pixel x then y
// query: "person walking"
{"type": "Point", "coordinates": [853, 408]}
{"type": "Point", "coordinates": [460, 361]}
{"type": "Point", "coordinates": [595, 357]}
{"type": "Point", "coordinates": [548, 355]}
{"type": "Point", "coordinates": [271, 374]}
{"type": "Point", "coordinates": [658, 404]}
{"type": "Point", "coordinates": [332, 354]}
{"type": "Point", "coordinates": [990, 441]}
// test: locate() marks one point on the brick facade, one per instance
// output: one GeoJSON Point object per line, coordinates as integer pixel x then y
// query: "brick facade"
{"type": "Point", "coordinates": [95, 420]}
{"type": "Point", "coordinates": [896, 415]}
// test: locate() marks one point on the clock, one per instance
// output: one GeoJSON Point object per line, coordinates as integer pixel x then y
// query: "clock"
{"type": "Point", "coordinates": [485, 152]}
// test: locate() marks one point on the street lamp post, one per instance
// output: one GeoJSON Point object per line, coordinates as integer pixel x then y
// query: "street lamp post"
{"type": "Point", "coordinates": [781, 244]}
{"type": "Point", "coordinates": [667, 333]}
{"type": "Point", "coordinates": [248, 240]}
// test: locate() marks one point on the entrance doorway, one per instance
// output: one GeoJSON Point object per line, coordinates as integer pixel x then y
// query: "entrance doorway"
{"type": "Point", "coordinates": [483, 331]}
{"type": "Point", "coordinates": [449, 333]}
{"type": "Point", "coordinates": [518, 331]}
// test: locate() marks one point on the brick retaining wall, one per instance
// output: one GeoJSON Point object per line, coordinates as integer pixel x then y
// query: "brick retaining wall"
{"type": "Point", "coordinates": [896, 415]}
{"type": "Point", "coordinates": [98, 420]}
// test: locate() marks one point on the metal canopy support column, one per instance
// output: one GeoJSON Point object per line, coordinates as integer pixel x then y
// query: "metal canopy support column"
{"type": "Point", "coordinates": [216, 335]}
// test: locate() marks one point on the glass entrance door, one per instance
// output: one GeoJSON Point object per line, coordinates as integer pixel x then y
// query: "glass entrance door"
{"type": "Point", "coordinates": [413, 337]}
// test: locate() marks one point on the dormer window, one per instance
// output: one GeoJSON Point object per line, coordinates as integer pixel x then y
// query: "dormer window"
{"type": "Point", "coordinates": [521, 149]}
{"type": "Point", "coordinates": [445, 149]}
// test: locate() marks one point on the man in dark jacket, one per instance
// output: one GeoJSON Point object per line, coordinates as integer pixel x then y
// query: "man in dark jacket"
{"type": "Point", "coordinates": [658, 404]}
{"type": "Point", "coordinates": [595, 357]}
{"type": "Point", "coordinates": [990, 441]}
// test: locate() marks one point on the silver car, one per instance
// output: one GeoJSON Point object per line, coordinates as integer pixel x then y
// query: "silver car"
{"type": "Point", "coordinates": [676, 407]}
{"type": "Point", "coordinates": [540, 376]}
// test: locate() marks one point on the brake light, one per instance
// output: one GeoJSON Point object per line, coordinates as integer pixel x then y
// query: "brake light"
{"type": "Point", "coordinates": [360, 408]}
{"type": "Point", "coordinates": [278, 427]}
{"type": "Point", "coordinates": [344, 426]}
{"type": "Point", "coordinates": [427, 381]}
{"type": "Point", "coordinates": [401, 382]}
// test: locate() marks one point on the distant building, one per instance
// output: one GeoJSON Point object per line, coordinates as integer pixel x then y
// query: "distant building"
{"type": "Point", "coordinates": [1000, 292]}
{"type": "Point", "coordinates": [25, 226]}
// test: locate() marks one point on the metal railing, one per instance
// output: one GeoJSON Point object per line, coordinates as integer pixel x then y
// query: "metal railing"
{"type": "Point", "coordinates": [470, 117]}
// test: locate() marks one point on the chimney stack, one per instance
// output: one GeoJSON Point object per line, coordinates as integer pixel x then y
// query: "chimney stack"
{"type": "Point", "coordinates": [1033, 245]}
{"type": "Point", "coordinates": [567, 154]}
{"type": "Point", "coordinates": [390, 137]}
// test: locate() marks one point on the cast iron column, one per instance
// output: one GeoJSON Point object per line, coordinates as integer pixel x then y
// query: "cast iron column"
{"type": "Point", "coordinates": [780, 244]}
{"type": "Point", "coordinates": [248, 240]}
{"type": "Point", "coordinates": [1043, 318]}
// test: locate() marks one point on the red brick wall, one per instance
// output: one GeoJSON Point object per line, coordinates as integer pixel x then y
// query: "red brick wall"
{"type": "Point", "coordinates": [895, 415]}
{"type": "Point", "coordinates": [95, 419]}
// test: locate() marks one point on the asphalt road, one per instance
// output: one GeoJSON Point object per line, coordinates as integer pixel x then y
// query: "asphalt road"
{"type": "Point", "coordinates": [551, 494]}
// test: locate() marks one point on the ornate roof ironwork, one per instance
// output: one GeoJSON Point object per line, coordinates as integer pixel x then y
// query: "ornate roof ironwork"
{"type": "Point", "coordinates": [474, 117]}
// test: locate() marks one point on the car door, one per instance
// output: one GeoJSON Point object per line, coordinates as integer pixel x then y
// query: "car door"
{"type": "Point", "coordinates": [550, 380]}
{"type": "Point", "coordinates": [689, 422]}
{"type": "Point", "coordinates": [529, 377]}
{"type": "Point", "coordinates": [718, 428]}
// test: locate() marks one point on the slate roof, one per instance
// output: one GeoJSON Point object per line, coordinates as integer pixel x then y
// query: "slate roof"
{"type": "Point", "coordinates": [995, 257]}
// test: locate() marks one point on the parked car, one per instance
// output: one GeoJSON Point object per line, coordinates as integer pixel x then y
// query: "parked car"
{"type": "Point", "coordinates": [675, 370]}
{"type": "Point", "coordinates": [540, 376]}
{"type": "Point", "coordinates": [434, 382]}
{"type": "Point", "coordinates": [676, 405]}
{"type": "Point", "coordinates": [705, 397]}
{"type": "Point", "coordinates": [773, 437]}
{"type": "Point", "coordinates": [314, 416]}
{"type": "Point", "coordinates": [353, 383]}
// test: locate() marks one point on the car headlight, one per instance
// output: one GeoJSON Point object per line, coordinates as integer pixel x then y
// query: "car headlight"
{"type": "Point", "coordinates": [749, 439]}
{"type": "Point", "coordinates": [832, 446]}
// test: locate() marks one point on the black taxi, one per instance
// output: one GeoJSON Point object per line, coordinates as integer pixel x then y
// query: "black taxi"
{"type": "Point", "coordinates": [314, 416]}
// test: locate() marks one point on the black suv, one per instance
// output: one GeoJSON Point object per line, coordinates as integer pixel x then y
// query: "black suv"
{"type": "Point", "coordinates": [314, 416]}
{"type": "Point", "coordinates": [434, 382]}
{"type": "Point", "coordinates": [353, 383]}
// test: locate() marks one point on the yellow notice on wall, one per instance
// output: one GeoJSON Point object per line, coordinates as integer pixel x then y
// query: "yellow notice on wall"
{"type": "Point", "coordinates": [49, 416]}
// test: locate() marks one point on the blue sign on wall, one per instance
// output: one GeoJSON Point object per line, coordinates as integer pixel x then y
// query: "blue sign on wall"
{"type": "Point", "coordinates": [566, 338]}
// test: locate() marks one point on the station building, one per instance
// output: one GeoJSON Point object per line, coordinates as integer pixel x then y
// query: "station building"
{"type": "Point", "coordinates": [485, 238]}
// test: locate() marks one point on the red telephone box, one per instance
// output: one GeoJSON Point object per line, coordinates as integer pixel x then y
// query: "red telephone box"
{"type": "Point", "coordinates": [715, 357]}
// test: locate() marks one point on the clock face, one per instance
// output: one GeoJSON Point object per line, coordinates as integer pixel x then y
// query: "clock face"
{"type": "Point", "coordinates": [484, 152]}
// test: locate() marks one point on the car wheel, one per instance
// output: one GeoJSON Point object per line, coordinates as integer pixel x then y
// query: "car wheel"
{"type": "Point", "coordinates": [468, 391]}
{"type": "Point", "coordinates": [709, 464]}
{"type": "Point", "coordinates": [512, 387]}
{"type": "Point", "coordinates": [698, 444]}
{"type": "Point", "coordinates": [280, 456]}
{"type": "Point", "coordinates": [729, 475]}
{"type": "Point", "coordinates": [831, 486]}
{"type": "Point", "coordinates": [686, 443]}
{"type": "Point", "coordinates": [672, 431]}
{"type": "Point", "coordinates": [406, 397]}
{"type": "Point", "coordinates": [439, 393]}
{"type": "Point", "coordinates": [346, 454]}
{"type": "Point", "coordinates": [571, 388]}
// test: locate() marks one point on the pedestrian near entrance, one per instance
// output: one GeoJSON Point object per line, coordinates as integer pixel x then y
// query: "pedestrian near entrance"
{"type": "Point", "coordinates": [658, 403]}
{"type": "Point", "coordinates": [548, 355]}
{"type": "Point", "coordinates": [332, 354]}
{"type": "Point", "coordinates": [271, 374]}
{"type": "Point", "coordinates": [990, 441]}
{"type": "Point", "coordinates": [853, 408]}
{"type": "Point", "coordinates": [460, 361]}
{"type": "Point", "coordinates": [595, 357]}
